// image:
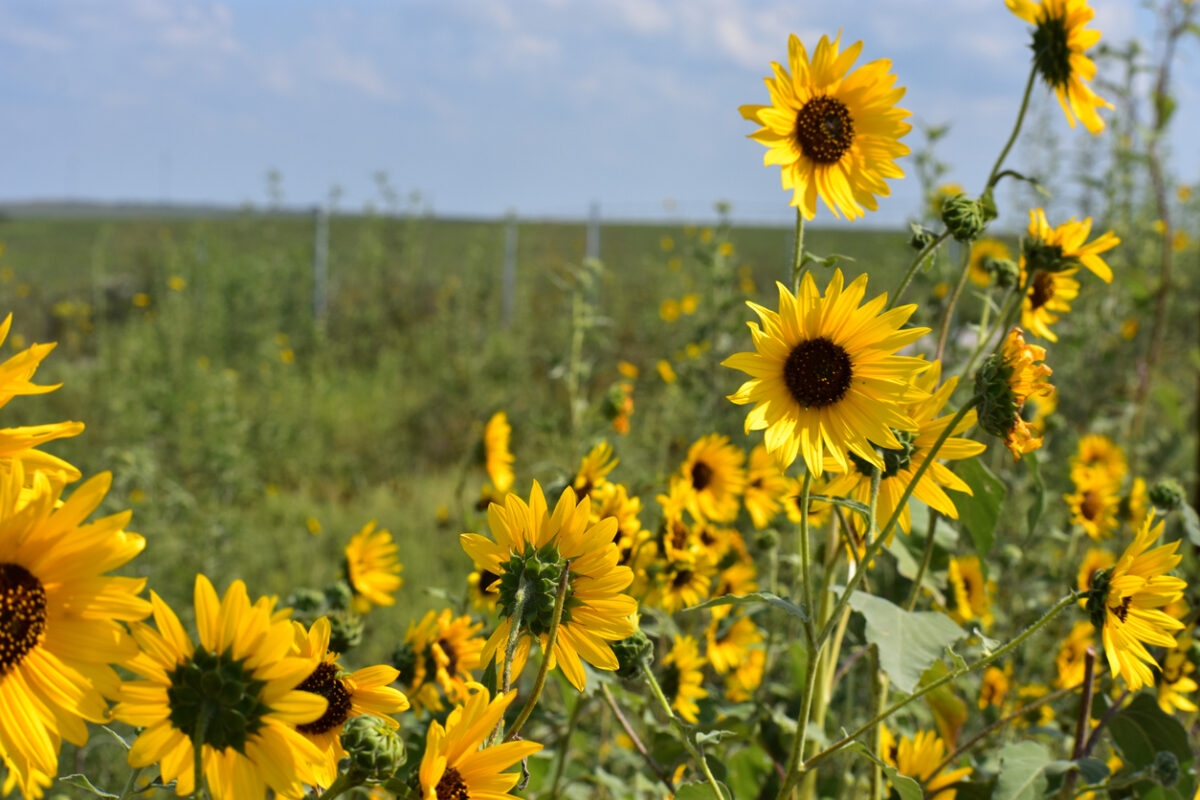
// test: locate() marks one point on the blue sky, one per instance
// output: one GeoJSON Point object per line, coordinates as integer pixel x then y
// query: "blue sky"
{"type": "Point", "coordinates": [538, 105]}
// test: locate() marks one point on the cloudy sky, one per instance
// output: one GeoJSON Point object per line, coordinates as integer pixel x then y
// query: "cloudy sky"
{"type": "Point", "coordinates": [539, 105]}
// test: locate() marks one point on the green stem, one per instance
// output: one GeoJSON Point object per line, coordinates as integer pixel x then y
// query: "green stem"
{"type": "Point", "coordinates": [681, 731]}
{"type": "Point", "coordinates": [637, 743]}
{"type": "Point", "coordinates": [344, 783]}
{"type": "Point", "coordinates": [878, 701]}
{"type": "Point", "coordinates": [912, 268]}
{"type": "Point", "coordinates": [806, 561]}
{"type": "Point", "coordinates": [948, 316]}
{"type": "Point", "coordinates": [926, 558]}
{"type": "Point", "coordinates": [994, 175]}
{"type": "Point", "coordinates": [129, 784]}
{"type": "Point", "coordinates": [560, 599]}
{"type": "Point", "coordinates": [510, 648]}
{"type": "Point", "coordinates": [798, 253]}
{"type": "Point", "coordinates": [199, 789]}
{"type": "Point", "coordinates": [565, 745]}
{"type": "Point", "coordinates": [1062, 604]}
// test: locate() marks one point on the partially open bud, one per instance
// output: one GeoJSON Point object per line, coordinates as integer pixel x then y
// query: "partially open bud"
{"type": "Point", "coordinates": [1167, 495]}
{"type": "Point", "coordinates": [375, 750]}
{"type": "Point", "coordinates": [632, 652]}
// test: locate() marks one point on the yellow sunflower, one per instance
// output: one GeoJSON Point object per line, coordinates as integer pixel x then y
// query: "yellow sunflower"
{"type": "Point", "coordinates": [713, 471]}
{"type": "Point", "coordinates": [481, 587]}
{"type": "Point", "coordinates": [455, 768]}
{"type": "Point", "coordinates": [1043, 715]}
{"type": "Point", "coordinates": [683, 676]}
{"type": "Point", "coordinates": [497, 459]}
{"type": "Point", "coordinates": [766, 486]}
{"type": "Point", "coordinates": [1060, 38]}
{"type": "Point", "coordinates": [918, 758]}
{"type": "Point", "coordinates": [1062, 248]}
{"type": "Point", "coordinates": [613, 500]}
{"type": "Point", "coordinates": [236, 691]}
{"type": "Point", "coordinates": [1126, 605]}
{"type": "Point", "coordinates": [1005, 382]}
{"type": "Point", "coordinates": [532, 545]}
{"type": "Point", "coordinates": [1037, 411]}
{"type": "Point", "coordinates": [901, 464]}
{"type": "Point", "coordinates": [993, 686]}
{"type": "Point", "coordinates": [972, 594]}
{"type": "Point", "coordinates": [683, 582]}
{"type": "Point", "coordinates": [1097, 451]}
{"type": "Point", "coordinates": [372, 568]}
{"type": "Point", "coordinates": [437, 657]}
{"type": "Point", "coordinates": [363, 691]}
{"type": "Point", "coordinates": [1176, 678]}
{"type": "Point", "coordinates": [19, 444]}
{"type": "Point", "coordinates": [1050, 294]}
{"type": "Point", "coordinates": [594, 469]}
{"type": "Point", "coordinates": [60, 619]}
{"type": "Point", "coordinates": [729, 642]}
{"type": "Point", "coordinates": [1071, 657]}
{"type": "Point", "coordinates": [982, 251]}
{"type": "Point", "coordinates": [1095, 503]}
{"type": "Point", "coordinates": [824, 380]}
{"type": "Point", "coordinates": [836, 133]}
{"type": "Point", "coordinates": [741, 682]}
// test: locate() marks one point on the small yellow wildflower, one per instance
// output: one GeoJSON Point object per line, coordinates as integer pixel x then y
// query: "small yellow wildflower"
{"type": "Point", "coordinates": [689, 302]}
{"type": "Point", "coordinates": [665, 371]}
{"type": "Point", "coordinates": [176, 283]}
{"type": "Point", "coordinates": [667, 244]}
{"type": "Point", "coordinates": [669, 310]}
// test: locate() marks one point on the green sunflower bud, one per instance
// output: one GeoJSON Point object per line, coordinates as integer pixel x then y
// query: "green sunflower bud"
{"type": "Point", "coordinates": [339, 596]}
{"type": "Point", "coordinates": [963, 217]}
{"type": "Point", "coordinates": [1004, 271]}
{"type": "Point", "coordinates": [404, 659]}
{"type": "Point", "coordinates": [766, 540]}
{"type": "Point", "coordinates": [1167, 495]}
{"type": "Point", "coordinates": [921, 237]}
{"type": "Point", "coordinates": [375, 750]}
{"type": "Point", "coordinates": [632, 652]}
{"type": "Point", "coordinates": [1098, 596]}
{"type": "Point", "coordinates": [1165, 769]}
{"type": "Point", "coordinates": [306, 601]}
{"type": "Point", "coordinates": [345, 631]}
{"type": "Point", "coordinates": [997, 407]}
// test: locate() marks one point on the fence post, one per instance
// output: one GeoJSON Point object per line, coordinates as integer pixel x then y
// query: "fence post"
{"type": "Point", "coordinates": [593, 231]}
{"type": "Point", "coordinates": [320, 263]}
{"type": "Point", "coordinates": [508, 276]}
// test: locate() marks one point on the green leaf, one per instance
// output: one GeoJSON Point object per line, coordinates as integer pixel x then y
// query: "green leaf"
{"type": "Point", "coordinates": [824, 261]}
{"type": "Point", "coordinates": [1141, 729]}
{"type": "Point", "coordinates": [712, 737]}
{"type": "Point", "coordinates": [1022, 775]}
{"type": "Point", "coordinates": [844, 502]}
{"type": "Point", "coordinates": [116, 736]}
{"type": "Point", "coordinates": [1191, 523]}
{"type": "Point", "coordinates": [1091, 770]}
{"type": "Point", "coordinates": [749, 770]}
{"type": "Point", "coordinates": [949, 710]}
{"type": "Point", "coordinates": [908, 641]}
{"type": "Point", "coordinates": [979, 513]}
{"type": "Point", "coordinates": [906, 787]}
{"type": "Point", "coordinates": [753, 597]}
{"type": "Point", "coordinates": [1039, 494]}
{"type": "Point", "coordinates": [701, 791]}
{"type": "Point", "coordinates": [82, 782]}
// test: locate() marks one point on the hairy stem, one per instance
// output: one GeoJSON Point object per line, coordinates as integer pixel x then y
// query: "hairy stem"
{"type": "Point", "coordinates": [560, 599]}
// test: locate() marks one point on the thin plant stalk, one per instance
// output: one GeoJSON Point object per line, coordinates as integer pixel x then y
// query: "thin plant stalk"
{"type": "Point", "coordinates": [1081, 722]}
{"type": "Point", "coordinates": [560, 599]}
{"type": "Point", "coordinates": [948, 315]}
{"type": "Point", "coordinates": [926, 559]}
{"type": "Point", "coordinates": [925, 253]}
{"type": "Point", "coordinates": [994, 175]}
{"type": "Point", "coordinates": [199, 787]}
{"type": "Point", "coordinates": [681, 731]}
{"type": "Point", "coordinates": [637, 743]}
{"type": "Point", "coordinates": [798, 253]}
{"type": "Point", "coordinates": [560, 761]}
{"type": "Point", "coordinates": [510, 649]}
{"type": "Point", "coordinates": [131, 782]}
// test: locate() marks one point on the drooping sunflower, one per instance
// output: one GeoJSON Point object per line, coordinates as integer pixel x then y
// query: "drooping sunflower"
{"type": "Point", "coordinates": [60, 619]}
{"type": "Point", "coordinates": [455, 767]}
{"type": "Point", "coordinates": [766, 486]}
{"type": "Point", "coordinates": [919, 758]}
{"type": "Point", "coordinates": [364, 691]}
{"type": "Point", "coordinates": [1095, 503]}
{"type": "Point", "coordinates": [1061, 249]}
{"type": "Point", "coordinates": [1050, 294]}
{"type": "Point", "coordinates": [533, 545]}
{"type": "Point", "coordinates": [481, 587]}
{"type": "Point", "coordinates": [240, 680]}
{"type": "Point", "coordinates": [497, 458]}
{"type": "Point", "coordinates": [372, 568]}
{"type": "Point", "coordinates": [824, 377]}
{"type": "Point", "coordinates": [835, 133]}
{"type": "Point", "coordinates": [1060, 39]}
{"type": "Point", "coordinates": [982, 251]}
{"type": "Point", "coordinates": [438, 656]}
{"type": "Point", "coordinates": [594, 469]}
{"type": "Point", "coordinates": [971, 592]}
{"type": "Point", "coordinates": [1005, 382]}
{"type": "Point", "coordinates": [1126, 602]}
{"type": "Point", "coordinates": [1071, 658]}
{"type": "Point", "coordinates": [714, 473]}
{"type": "Point", "coordinates": [1096, 451]}
{"type": "Point", "coordinates": [683, 677]}
{"type": "Point", "coordinates": [901, 464]}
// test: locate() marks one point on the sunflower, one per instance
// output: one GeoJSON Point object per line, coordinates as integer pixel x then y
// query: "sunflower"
{"type": "Point", "coordinates": [1041, 716]}
{"type": "Point", "coordinates": [819, 511]}
{"type": "Point", "coordinates": [1096, 451]}
{"type": "Point", "coordinates": [766, 486]}
{"type": "Point", "coordinates": [1126, 605]}
{"type": "Point", "coordinates": [683, 676]}
{"type": "Point", "coordinates": [497, 459]}
{"type": "Point", "coordinates": [372, 568]}
{"type": "Point", "coordinates": [19, 444]}
{"type": "Point", "coordinates": [972, 594]}
{"type": "Point", "coordinates": [836, 133]}
{"type": "Point", "coordinates": [1095, 559]}
{"type": "Point", "coordinates": [455, 768]}
{"type": "Point", "coordinates": [594, 469]}
{"type": "Point", "coordinates": [363, 691]}
{"type": "Point", "coordinates": [1135, 504]}
{"type": "Point", "coordinates": [683, 582]}
{"type": "Point", "coordinates": [613, 500]}
{"type": "Point", "coordinates": [729, 642]}
{"type": "Point", "coordinates": [824, 379]}
{"type": "Point", "coordinates": [1050, 294]}
{"type": "Point", "coordinates": [481, 587]}
{"type": "Point", "coordinates": [901, 464]}
{"type": "Point", "coordinates": [1061, 249]}
{"type": "Point", "coordinates": [1095, 503]}
{"type": "Point", "coordinates": [1176, 678]}
{"type": "Point", "coordinates": [532, 546]}
{"type": "Point", "coordinates": [236, 690]}
{"type": "Point", "coordinates": [1060, 37]}
{"type": "Point", "coordinates": [1070, 660]}
{"type": "Point", "coordinates": [919, 758]}
{"type": "Point", "coordinates": [746, 677]}
{"type": "Point", "coordinates": [60, 619]}
{"type": "Point", "coordinates": [437, 657]}
{"type": "Point", "coordinates": [993, 686]}
{"type": "Point", "coordinates": [1005, 382]}
{"type": "Point", "coordinates": [713, 472]}
{"type": "Point", "coordinates": [983, 251]}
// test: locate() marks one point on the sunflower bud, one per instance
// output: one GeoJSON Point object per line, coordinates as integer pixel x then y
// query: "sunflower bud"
{"type": "Point", "coordinates": [1046, 257]}
{"type": "Point", "coordinates": [1004, 271]}
{"type": "Point", "coordinates": [306, 601]}
{"type": "Point", "coordinates": [1098, 596]}
{"type": "Point", "coordinates": [375, 750]}
{"type": "Point", "coordinates": [345, 631]}
{"type": "Point", "coordinates": [1165, 769]}
{"type": "Point", "coordinates": [1167, 495]}
{"type": "Point", "coordinates": [339, 596]}
{"type": "Point", "coordinates": [404, 659]}
{"type": "Point", "coordinates": [997, 405]}
{"type": "Point", "coordinates": [766, 540]}
{"type": "Point", "coordinates": [632, 652]}
{"type": "Point", "coordinates": [963, 217]}
{"type": "Point", "coordinates": [921, 237]}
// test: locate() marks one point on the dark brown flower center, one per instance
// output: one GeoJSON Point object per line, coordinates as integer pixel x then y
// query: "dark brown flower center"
{"type": "Point", "coordinates": [824, 130]}
{"type": "Point", "coordinates": [452, 786]}
{"type": "Point", "coordinates": [1090, 506]}
{"type": "Point", "coordinates": [324, 681]}
{"type": "Point", "coordinates": [1042, 290]}
{"type": "Point", "coordinates": [22, 614]}
{"type": "Point", "coordinates": [1052, 50]}
{"type": "Point", "coordinates": [1121, 611]}
{"type": "Point", "coordinates": [817, 373]}
{"type": "Point", "coordinates": [701, 476]}
{"type": "Point", "coordinates": [682, 578]}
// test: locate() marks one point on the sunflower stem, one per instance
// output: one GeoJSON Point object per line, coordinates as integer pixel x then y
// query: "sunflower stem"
{"type": "Point", "coordinates": [912, 268]}
{"type": "Point", "coordinates": [926, 559]}
{"type": "Point", "coordinates": [199, 789]}
{"type": "Point", "coordinates": [806, 561]}
{"type": "Point", "coordinates": [129, 784]}
{"type": "Point", "coordinates": [948, 316]}
{"type": "Point", "coordinates": [681, 731]}
{"type": "Point", "coordinates": [637, 743]}
{"type": "Point", "coordinates": [996, 655]}
{"type": "Point", "coordinates": [994, 175]}
{"type": "Point", "coordinates": [560, 600]}
{"type": "Point", "coordinates": [560, 761]}
{"type": "Point", "coordinates": [344, 783]}
{"type": "Point", "coordinates": [510, 649]}
{"type": "Point", "coordinates": [798, 253]}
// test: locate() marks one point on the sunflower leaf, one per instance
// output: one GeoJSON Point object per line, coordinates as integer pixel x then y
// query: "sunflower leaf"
{"type": "Point", "coordinates": [701, 791]}
{"type": "Point", "coordinates": [844, 502]}
{"type": "Point", "coordinates": [909, 642]}
{"type": "Point", "coordinates": [1191, 523]}
{"type": "Point", "coordinates": [1022, 772]}
{"type": "Point", "coordinates": [979, 513]}
{"type": "Point", "coordinates": [906, 787]}
{"type": "Point", "coordinates": [769, 598]}
{"type": "Point", "coordinates": [1141, 729]}
{"type": "Point", "coordinates": [82, 782]}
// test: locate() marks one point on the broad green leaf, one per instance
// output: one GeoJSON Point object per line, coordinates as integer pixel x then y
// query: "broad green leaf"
{"type": "Point", "coordinates": [752, 598]}
{"type": "Point", "coordinates": [1022, 774]}
{"type": "Point", "coordinates": [82, 782]}
{"type": "Point", "coordinates": [908, 641]}
{"type": "Point", "coordinates": [701, 791]}
{"type": "Point", "coordinates": [712, 737]}
{"type": "Point", "coordinates": [1191, 523]}
{"type": "Point", "coordinates": [906, 787]}
{"type": "Point", "coordinates": [978, 513]}
{"type": "Point", "coordinates": [749, 770]}
{"type": "Point", "coordinates": [1141, 729]}
{"type": "Point", "coordinates": [1091, 770]}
